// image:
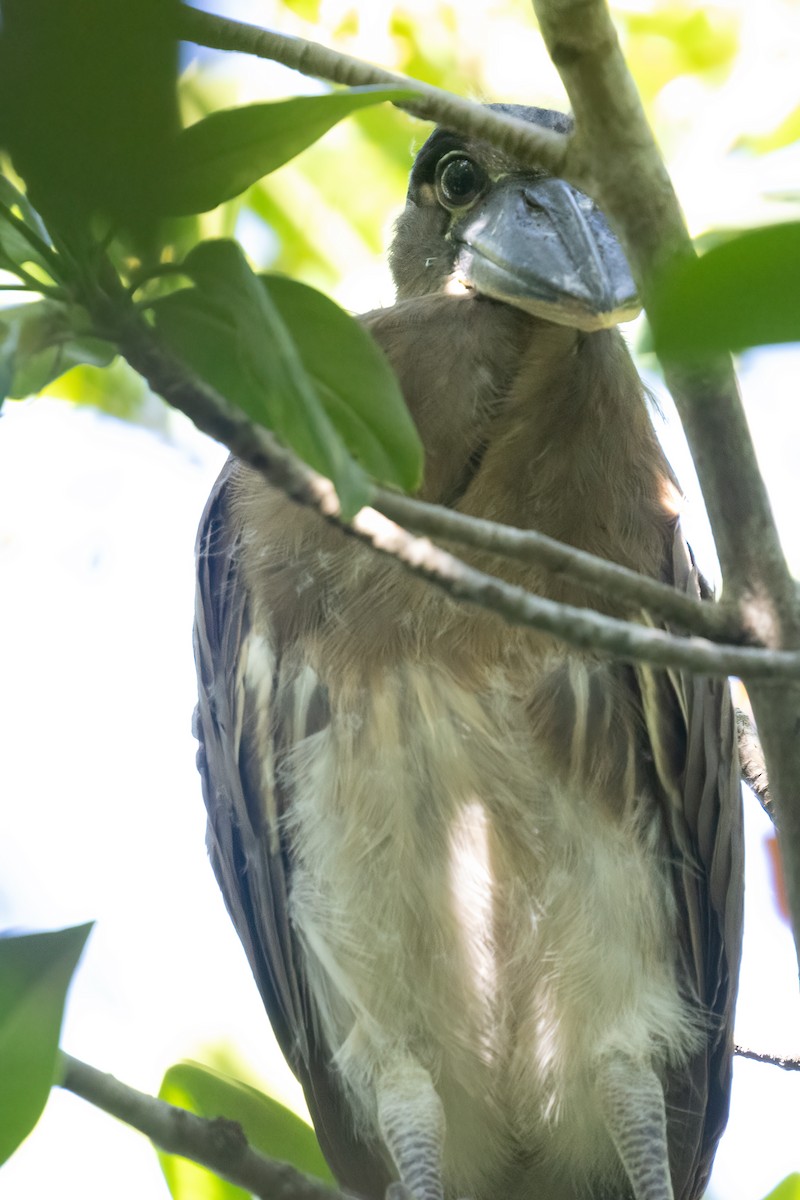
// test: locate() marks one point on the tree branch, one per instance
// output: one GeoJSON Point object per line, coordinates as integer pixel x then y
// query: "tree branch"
{"type": "Point", "coordinates": [751, 758]}
{"type": "Point", "coordinates": [219, 1144]}
{"type": "Point", "coordinates": [774, 1060]}
{"type": "Point", "coordinates": [711, 620]}
{"type": "Point", "coordinates": [255, 446]}
{"type": "Point", "coordinates": [529, 143]}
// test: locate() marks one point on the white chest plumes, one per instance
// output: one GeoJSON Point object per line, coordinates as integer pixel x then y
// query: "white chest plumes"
{"type": "Point", "coordinates": [490, 888]}
{"type": "Point", "coordinates": [462, 908]}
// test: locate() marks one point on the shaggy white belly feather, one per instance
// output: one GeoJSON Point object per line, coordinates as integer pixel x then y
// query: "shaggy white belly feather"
{"type": "Point", "coordinates": [463, 910]}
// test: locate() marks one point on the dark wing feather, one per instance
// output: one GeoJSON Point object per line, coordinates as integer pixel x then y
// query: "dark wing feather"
{"type": "Point", "coordinates": [241, 731]}
{"type": "Point", "coordinates": [691, 726]}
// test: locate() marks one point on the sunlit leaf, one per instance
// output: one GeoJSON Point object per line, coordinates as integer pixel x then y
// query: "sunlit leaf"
{"type": "Point", "coordinates": [359, 390]}
{"type": "Point", "coordinates": [39, 342]}
{"type": "Point", "coordinates": [743, 292]}
{"type": "Point", "coordinates": [230, 333]}
{"type": "Point", "coordinates": [700, 39]}
{"type": "Point", "coordinates": [269, 1126]}
{"type": "Point", "coordinates": [786, 132]}
{"type": "Point", "coordinates": [116, 390]}
{"type": "Point", "coordinates": [35, 972]}
{"type": "Point", "coordinates": [223, 154]}
{"type": "Point", "coordinates": [307, 9]}
{"type": "Point", "coordinates": [787, 1189]}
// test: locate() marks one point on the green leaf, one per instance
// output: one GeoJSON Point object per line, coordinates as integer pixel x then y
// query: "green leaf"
{"type": "Point", "coordinates": [87, 103]}
{"type": "Point", "coordinates": [40, 341]}
{"type": "Point", "coordinates": [787, 1189]}
{"type": "Point", "coordinates": [357, 386]}
{"type": "Point", "coordinates": [35, 972]}
{"type": "Point", "coordinates": [22, 233]}
{"type": "Point", "coordinates": [269, 1126]}
{"type": "Point", "coordinates": [223, 154]}
{"type": "Point", "coordinates": [116, 390]}
{"type": "Point", "coordinates": [230, 333]}
{"type": "Point", "coordinates": [743, 292]}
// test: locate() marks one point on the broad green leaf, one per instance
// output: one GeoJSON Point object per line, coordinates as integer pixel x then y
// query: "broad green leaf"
{"type": "Point", "coordinates": [787, 1189]}
{"type": "Point", "coordinates": [87, 104]}
{"type": "Point", "coordinates": [357, 386]}
{"type": "Point", "coordinates": [743, 292]}
{"type": "Point", "coordinates": [268, 1125]}
{"type": "Point", "coordinates": [35, 972]}
{"type": "Point", "coordinates": [223, 154]}
{"type": "Point", "coordinates": [40, 341]}
{"type": "Point", "coordinates": [230, 333]}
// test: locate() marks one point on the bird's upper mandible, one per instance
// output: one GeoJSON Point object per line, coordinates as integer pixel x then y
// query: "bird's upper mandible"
{"type": "Point", "coordinates": [474, 220]}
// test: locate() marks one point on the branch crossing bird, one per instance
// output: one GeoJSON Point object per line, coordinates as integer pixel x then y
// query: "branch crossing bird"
{"type": "Point", "coordinates": [490, 886]}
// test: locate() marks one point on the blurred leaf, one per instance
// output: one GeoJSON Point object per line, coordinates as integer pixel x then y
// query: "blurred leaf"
{"type": "Point", "coordinates": [702, 39]}
{"type": "Point", "coordinates": [230, 333]}
{"type": "Point", "coordinates": [87, 103]}
{"type": "Point", "coordinates": [116, 390]}
{"type": "Point", "coordinates": [40, 341]}
{"type": "Point", "coordinates": [270, 1127]}
{"type": "Point", "coordinates": [223, 154]}
{"type": "Point", "coordinates": [35, 972]}
{"type": "Point", "coordinates": [357, 386]}
{"type": "Point", "coordinates": [428, 51]}
{"type": "Point", "coordinates": [783, 134]}
{"type": "Point", "coordinates": [788, 1189]}
{"type": "Point", "coordinates": [308, 10]}
{"type": "Point", "coordinates": [743, 292]}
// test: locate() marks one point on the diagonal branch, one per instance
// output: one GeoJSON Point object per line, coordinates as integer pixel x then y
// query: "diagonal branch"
{"type": "Point", "coordinates": [219, 1144]}
{"type": "Point", "coordinates": [714, 621]}
{"type": "Point", "coordinates": [580, 627]}
{"type": "Point", "coordinates": [528, 143]}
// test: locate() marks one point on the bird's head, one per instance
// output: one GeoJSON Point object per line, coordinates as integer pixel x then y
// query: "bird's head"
{"type": "Point", "coordinates": [476, 222]}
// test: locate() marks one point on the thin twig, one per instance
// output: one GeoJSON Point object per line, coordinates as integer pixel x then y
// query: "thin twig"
{"type": "Point", "coordinates": [219, 1144]}
{"type": "Point", "coordinates": [528, 143]}
{"type": "Point", "coordinates": [773, 1060]}
{"type": "Point", "coordinates": [637, 591]}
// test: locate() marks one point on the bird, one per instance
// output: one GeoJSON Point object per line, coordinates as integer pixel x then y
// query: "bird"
{"type": "Point", "coordinates": [489, 885]}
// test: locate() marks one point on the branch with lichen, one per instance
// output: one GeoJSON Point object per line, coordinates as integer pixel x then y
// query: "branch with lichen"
{"type": "Point", "coordinates": [219, 1144]}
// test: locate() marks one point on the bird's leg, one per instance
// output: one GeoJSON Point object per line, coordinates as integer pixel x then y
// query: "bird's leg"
{"type": "Point", "coordinates": [633, 1106]}
{"type": "Point", "coordinates": [411, 1121]}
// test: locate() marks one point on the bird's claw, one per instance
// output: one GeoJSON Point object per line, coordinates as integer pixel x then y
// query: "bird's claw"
{"type": "Point", "coordinates": [399, 1191]}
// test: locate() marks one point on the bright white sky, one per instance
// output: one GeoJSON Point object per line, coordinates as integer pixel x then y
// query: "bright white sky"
{"type": "Point", "coordinates": [101, 810]}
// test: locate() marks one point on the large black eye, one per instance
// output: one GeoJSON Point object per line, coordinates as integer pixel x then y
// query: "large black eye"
{"type": "Point", "coordinates": [458, 180]}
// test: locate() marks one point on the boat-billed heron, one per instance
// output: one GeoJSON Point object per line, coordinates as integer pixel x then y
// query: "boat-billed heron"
{"type": "Point", "coordinates": [489, 885]}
